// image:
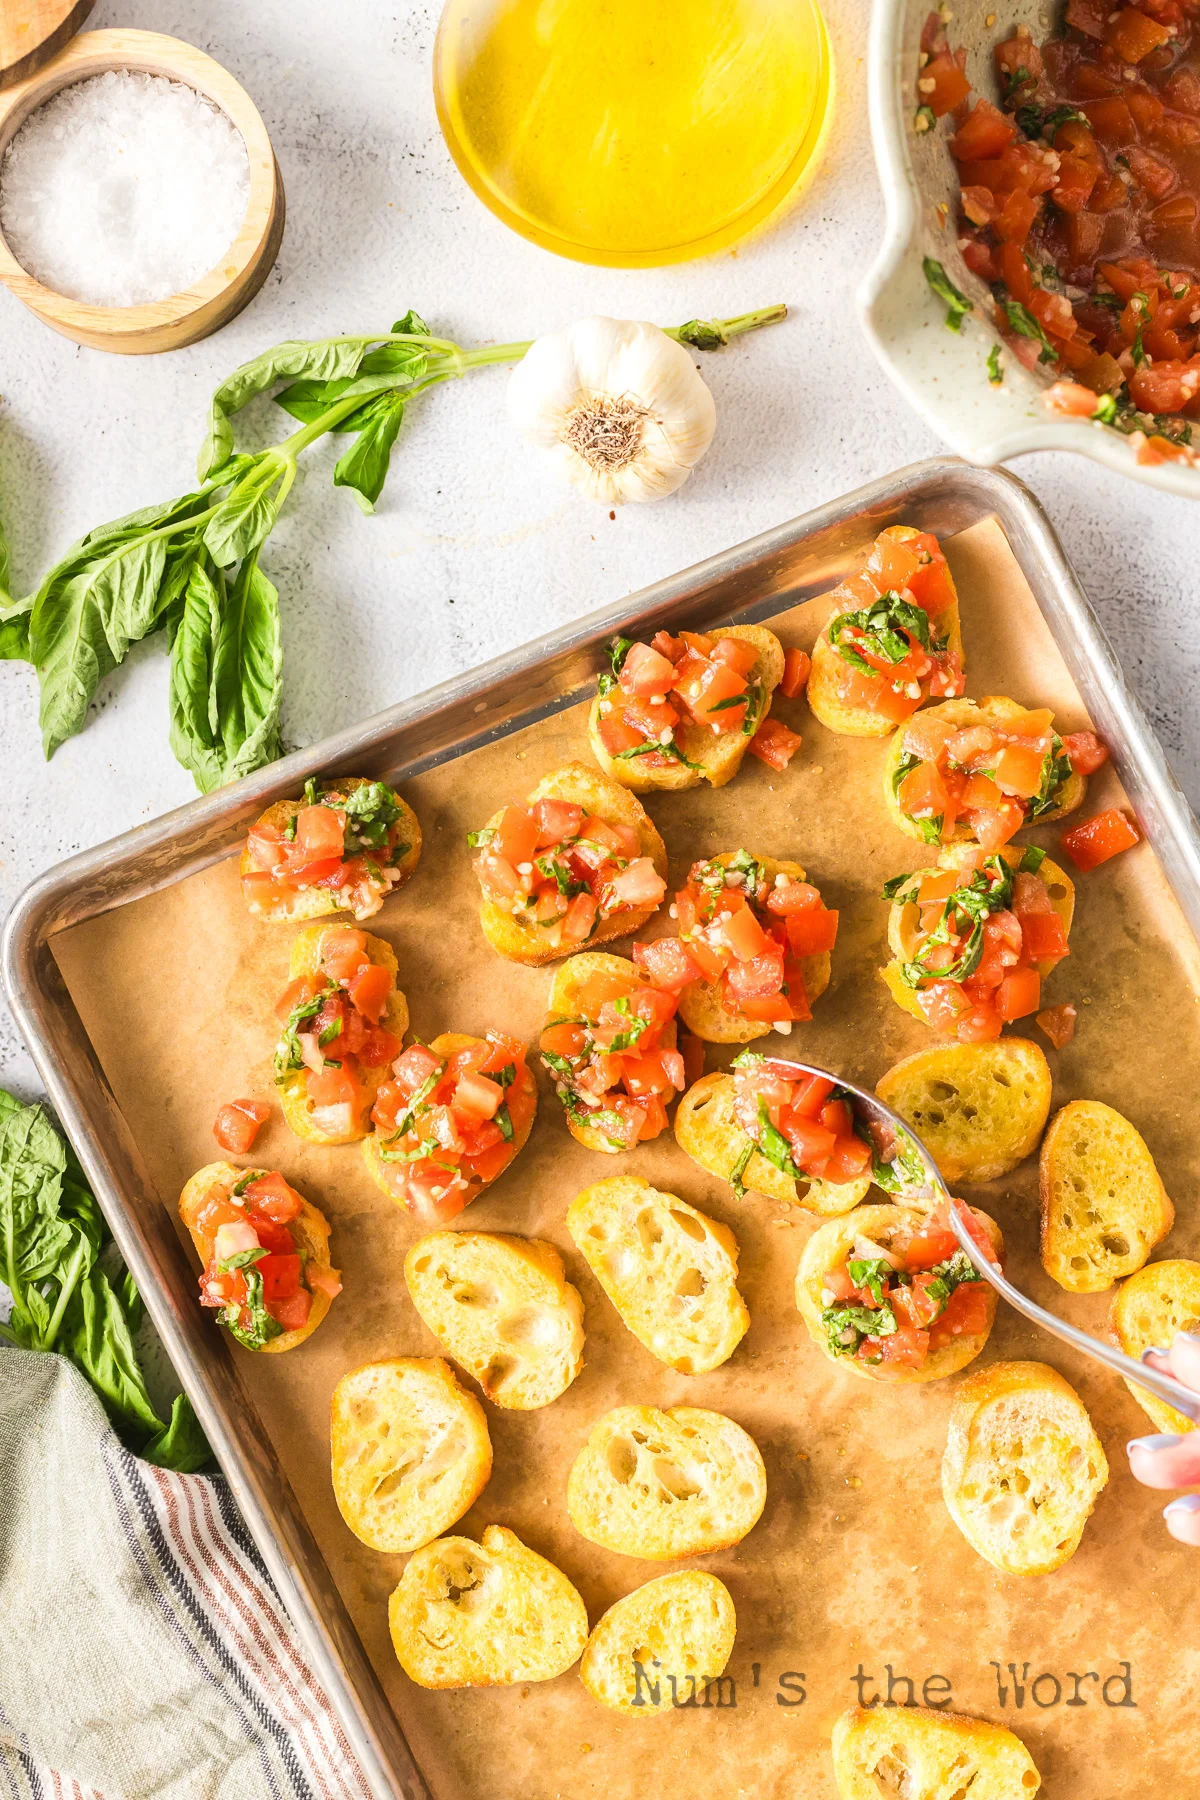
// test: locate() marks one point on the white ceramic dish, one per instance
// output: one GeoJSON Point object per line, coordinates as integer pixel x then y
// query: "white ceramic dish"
{"type": "Point", "coordinates": [943, 373]}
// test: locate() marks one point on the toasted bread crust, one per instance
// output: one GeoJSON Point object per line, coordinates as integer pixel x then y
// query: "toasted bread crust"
{"type": "Point", "coordinates": [603, 798]}
{"type": "Point", "coordinates": [293, 1087]}
{"type": "Point", "coordinates": [823, 697]}
{"type": "Point", "coordinates": [310, 1229]}
{"type": "Point", "coordinates": [718, 759]}
{"type": "Point", "coordinates": [883, 1225]}
{"type": "Point", "coordinates": [937, 1755]}
{"type": "Point", "coordinates": [980, 1108]}
{"type": "Point", "coordinates": [317, 903]}
{"type": "Point", "coordinates": [1147, 1311]}
{"type": "Point", "coordinates": [569, 981]}
{"type": "Point", "coordinates": [700, 1005]}
{"type": "Point", "coordinates": [1104, 1207]}
{"type": "Point", "coordinates": [685, 1622]}
{"type": "Point", "coordinates": [1021, 1443]}
{"type": "Point", "coordinates": [707, 1130]}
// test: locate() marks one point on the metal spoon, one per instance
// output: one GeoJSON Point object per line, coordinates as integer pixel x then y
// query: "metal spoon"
{"type": "Point", "coordinates": [871, 1110]}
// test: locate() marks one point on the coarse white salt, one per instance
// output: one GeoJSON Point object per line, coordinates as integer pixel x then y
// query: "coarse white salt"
{"type": "Point", "coordinates": [123, 189]}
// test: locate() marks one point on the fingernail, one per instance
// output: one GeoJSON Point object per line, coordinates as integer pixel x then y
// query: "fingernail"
{"type": "Point", "coordinates": [1189, 1504]}
{"type": "Point", "coordinates": [1154, 1350]}
{"type": "Point", "coordinates": [1191, 1338]}
{"type": "Point", "coordinates": [1154, 1442]}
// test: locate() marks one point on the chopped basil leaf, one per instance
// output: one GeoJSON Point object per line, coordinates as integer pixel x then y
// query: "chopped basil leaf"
{"type": "Point", "coordinates": [903, 1169]}
{"type": "Point", "coordinates": [1022, 321]}
{"type": "Point", "coordinates": [310, 791]}
{"type": "Point", "coordinates": [847, 1326]}
{"type": "Point", "coordinates": [733, 700]}
{"type": "Point", "coordinates": [774, 1146]}
{"type": "Point", "coordinates": [407, 1120]}
{"type": "Point", "coordinates": [894, 889]}
{"type": "Point", "coordinates": [1032, 859]}
{"type": "Point", "coordinates": [1056, 769]}
{"type": "Point", "coordinates": [871, 1273]}
{"type": "Point", "coordinates": [957, 304]}
{"type": "Point", "coordinates": [503, 1119]}
{"type": "Point", "coordinates": [475, 839]}
{"type": "Point", "coordinates": [947, 1276]}
{"type": "Point", "coordinates": [242, 1259]}
{"type": "Point", "coordinates": [883, 624]}
{"type": "Point", "coordinates": [1106, 410]}
{"type": "Point", "coordinates": [260, 1327]}
{"type": "Point", "coordinates": [505, 1077]}
{"type": "Point", "coordinates": [288, 1054]}
{"type": "Point", "coordinates": [995, 372]}
{"type": "Point", "coordinates": [331, 1031]}
{"type": "Point", "coordinates": [972, 900]}
{"type": "Point", "coordinates": [670, 748]}
{"type": "Point", "coordinates": [739, 1169]}
{"type": "Point", "coordinates": [289, 830]}
{"type": "Point", "coordinates": [618, 650]}
{"type": "Point", "coordinates": [555, 870]}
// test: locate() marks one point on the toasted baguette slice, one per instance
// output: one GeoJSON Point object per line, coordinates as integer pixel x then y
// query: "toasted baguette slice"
{"type": "Point", "coordinates": [310, 1233]}
{"type": "Point", "coordinates": [980, 1108]}
{"type": "Point", "coordinates": [670, 1271]}
{"type": "Point", "coordinates": [503, 1308]}
{"type": "Point", "coordinates": [569, 982]}
{"type": "Point", "coordinates": [1160, 1300]}
{"type": "Point", "coordinates": [700, 1005]}
{"type": "Point", "coordinates": [484, 1615]}
{"type": "Point", "coordinates": [600, 797]}
{"type": "Point", "coordinates": [666, 1484]}
{"type": "Point", "coordinates": [298, 1110]}
{"type": "Point", "coordinates": [658, 1647]}
{"type": "Point", "coordinates": [903, 921]}
{"type": "Point", "coordinates": [918, 1755]}
{"type": "Point", "coordinates": [410, 1450]}
{"type": "Point", "coordinates": [1103, 1205]}
{"type": "Point", "coordinates": [888, 1227]}
{"type": "Point", "coordinates": [823, 695]}
{"type": "Point", "coordinates": [717, 759]}
{"type": "Point", "coordinates": [1023, 1467]}
{"type": "Point", "coordinates": [314, 902]}
{"type": "Point", "coordinates": [707, 1128]}
{"type": "Point", "coordinates": [993, 709]}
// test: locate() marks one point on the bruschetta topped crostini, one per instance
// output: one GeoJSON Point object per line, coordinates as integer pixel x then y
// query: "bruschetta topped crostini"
{"type": "Point", "coordinates": [343, 1020]}
{"type": "Point", "coordinates": [449, 1118]}
{"type": "Point", "coordinates": [344, 847]}
{"type": "Point", "coordinates": [682, 710]}
{"type": "Point", "coordinates": [709, 1129]}
{"type": "Point", "coordinates": [752, 951]}
{"type": "Point", "coordinates": [609, 1043]}
{"type": "Point", "coordinates": [984, 769]}
{"type": "Point", "coordinates": [973, 939]}
{"type": "Point", "coordinates": [893, 641]}
{"type": "Point", "coordinates": [580, 863]}
{"type": "Point", "coordinates": [889, 1291]}
{"type": "Point", "coordinates": [265, 1252]}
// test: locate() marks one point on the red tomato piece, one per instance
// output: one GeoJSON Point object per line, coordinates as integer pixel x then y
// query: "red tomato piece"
{"type": "Point", "coordinates": [555, 821]}
{"type": "Point", "coordinates": [332, 1087]}
{"type": "Point", "coordinates": [667, 964]}
{"type": "Point", "coordinates": [370, 990]}
{"type": "Point", "coordinates": [267, 846]}
{"type": "Point", "coordinates": [904, 1348]}
{"type": "Point", "coordinates": [1058, 1023]}
{"type": "Point", "coordinates": [1020, 994]}
{"type": "Point", "coordinates": [1018, 772]}
{"type": "Point", "coordinates": [280, 1276]}
{"type": "Point", "coordinates": [984, 133]}
{"type": "Point", "coordinates": [580, 918]}
{"type": "Point", "coordinates": [1133, 35]}
{"type": "Point", "coordinates": [567, 1039]}
{"type": "Point", "coordinates": [516, 836]}
{"type": "Point", "coordinates": [791, 896]}
{"type": "Point", "coordinates": [238, 1124]}
{"type": "Point", "coordinates": [848, 1159]}
{"type": "Point", "coordinates": [810, 1095]}
{"type": "Point", "coordinates": [741, 932]}
{"type": "Point", "coordinates": [811, 1144]}
{"type": "Point", "coordinates": [296, 992]}
{"type": "Point", "coordinates": [935, 1244]}
{"type": "Point", "coordinates": [966, 1314]}
{"type": "Point", "coordinates": [1044, 937]}
{"type": "Point", "coordinates": [618, 735]}
{"type": "Point", "coordinates": [646, 671]}
{"type": "Point", "coordinates": [796, 667]}
{"type": "Point", "coordinates": [320, 834]}
{"type": "Point", "coordinates": [992, 827]}
{"type": "Point", "coordinates": [836, 1116]}
{"type": "Point", "coordinates": [271, 1196]}
{"type": "Point", "coordinates": [637, 885]}
{"type": "Point", "coordinates": [774, 744]}
{"type": "Point", "coordinates": [293, 1312]}
{"type": "Point", "coordinates": [950, 86]}
{"type": "Point", "coordinates": [922, 793]}
{"type": "Point", "coordinates": [758, 978]}
{"type": "Point", "coordinates": [476, 1097]}
{"type": "Point", "coordinates": [813, 932]}
{"type": "Point", "coordinates": [1095, 840]}
{"type": "Point", "coordinates": [737, 652]}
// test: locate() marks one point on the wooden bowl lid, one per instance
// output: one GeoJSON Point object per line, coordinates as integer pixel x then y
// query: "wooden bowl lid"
{"type": "Point", "coordinates": [32, 31]}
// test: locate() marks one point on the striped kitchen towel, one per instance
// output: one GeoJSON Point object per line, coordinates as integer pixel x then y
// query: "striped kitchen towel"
{"type": "Point", "coordinates": [143, 1649]}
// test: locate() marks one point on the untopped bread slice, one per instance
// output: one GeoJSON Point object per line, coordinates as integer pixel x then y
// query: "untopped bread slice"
{"type": "Point", "coordinates": [486, 1614]}
{"type": "Point", "coordinates": [1023, 1467]}
{"type": "Point", "coordinates": [1104, 1207]}
{"type": "Point", "coordinates": [980, 1108]}
{"type": "Point", "coordinates": [919, 1755]}
{"type": "Point", "coordinates": [660, 1646]}
{"type": "Point", "coordinates": [670, 1271]}
{"type": "Point", "coordinates": [503, 1308]}
{"type": "Point", "coordinates": [666, 1484]}
{"type": "Point", "coordinates": [1153, 1305]}
{"type": "Point", "coordinates": [411, 1451]}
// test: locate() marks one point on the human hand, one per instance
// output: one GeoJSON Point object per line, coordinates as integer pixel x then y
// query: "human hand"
{"type": "Point", "coordinates": [1167, 1460]}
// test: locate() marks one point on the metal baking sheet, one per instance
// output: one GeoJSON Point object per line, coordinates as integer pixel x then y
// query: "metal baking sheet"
{"type": "Point", "coordinates": [752, 581]}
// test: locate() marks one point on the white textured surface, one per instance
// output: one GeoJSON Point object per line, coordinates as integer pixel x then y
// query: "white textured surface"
{"type": "Point", "coordinates": [473, 550]}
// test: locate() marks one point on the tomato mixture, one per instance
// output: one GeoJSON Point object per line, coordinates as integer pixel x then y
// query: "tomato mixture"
{"type": "Point", "coordinates": [982, 930]}
{"type": "Point", "coordinates": [562, 871]}
{"type": "Point", "coordinates": [614, 1060]}
{"type": "Point", "coordinates": [331, 1028]}
{"type": "Point", "coordinates": [891, 1308]}
{"type": "Point", "coordinates": [1080, 200]}
{"type": "Point", "coordinates": [446, 1126]}
{"type": "Point", "coordinates": [746, 934]}
{"type": "Point", "coordinates": [347, 842]}
{"type": "Point", "coordinates": [698, 679]}
{"type": "Point", "coordinates": [255, 1274]}
{"type": "Point", "coordinates": [803, 1124]}
{"type": "Point", "coordinates": [891, 638]}
{"type": "Point", "coordinates": [992, 778]}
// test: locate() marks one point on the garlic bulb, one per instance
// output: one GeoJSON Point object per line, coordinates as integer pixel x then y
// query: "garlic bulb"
{"type": "Point", "coordinates": [617, 405]}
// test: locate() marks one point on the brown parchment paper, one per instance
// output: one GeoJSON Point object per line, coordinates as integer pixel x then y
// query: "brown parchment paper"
{"type": "Point", "coordinates": [855, 1567]}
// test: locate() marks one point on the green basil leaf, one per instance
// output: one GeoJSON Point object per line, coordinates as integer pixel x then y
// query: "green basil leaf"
{"type": "Point", "coordinates": [957, 304]}
{"type": "Point", "coordinates": [247, 514]}
{"type": "Point", "coordinates": [1032, 859]}
{"type": "Point", "coordinates": [1022, 321]}
{"type": "Point", "coordinates": [14, 614]}
{"type": "Point", "coordinates": [847, 1326]}
{"type": "Point", "coordinates": [364, 466]}
{"type": "Point", "coordinates": [411, 325]}
{"type": "Point", "coordinates": [259, 1328]}
{"type": "Point", "coordinates": [324, 359]}
{"type": "Point", "coordinates": [774, 1146]}
{"type": "Point", "coordinates": [503, 1119]}
{"type": "Point", "coordinates": [97, 1338]}
{"type": "Point", "coordinates": [739, 1169]}
{"type": "Point", "coordinates": [226, 668]}
{"type": "Point", "coordinates": [180, 1445]}
{"type": "Point", "coordinates": [703, 334]}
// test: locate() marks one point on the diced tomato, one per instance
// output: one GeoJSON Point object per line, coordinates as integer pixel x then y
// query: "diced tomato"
{"type": "Point", "coordinates": [1076, 179]}
{"type": "Point", "coordinates": [646, 671]}
{"type": "Point", "coordinates": [271, 1196]}
{"type": "Point", "coordinates": [796, 667]}
{"type": "Point", "coordinates": [556, 820]}
{"type": "Point", "coordinates": [323, 1281]}
{"type": "Point", "coordinates": [950, 86]}
{"type": "Point", "coordinates": [580, 918]}
{"type": "Point", "coordinates": [222, 1287]}
{"type": "Point", "coordinates": [1018, 772]}
{"type": "Point", "coordinates": [292, 1313]}
{"type": "Point", "coordinates": [238, 1124]}
{"type": "Point", "coordinates": [714, 693]}
{"type": "Point", "coordinates": [1044, 936]}
{"type": "Point", "coordinates": [757, 978]}
{"type": "Point", "coordinates": [741, 932]}
{"type": "Point", "coordinates": [979, 1025]}
{"type": "Point", "coordinates": [1095, 840]}
{"type": "Point", "coordinates": [515, 837]}
{"type": "Point", "coordinates": [811, 1144]}
{"type": "Point", "coordinates": [267, 846]}
{"type": "Point", "coordinates": [992, 827]}
{"type": "Point", "coordinates": [1132, 35]}
{"type": "Point", "coordinates": [320, 834]}
{"type": "Point", "coordinates": [280, 1277]}
{"type": "Point", "coordinates": [985, 132]}
{"type": "Point", "coordinates": [617, 735]}
{"type": "Point", "coordinates": [637, 885]}
{"type": "Point", "coordinates": [848, 1159]}
{"type": "Point", "coordinates": [1020, 994]}
{"type": "Point", "coordinates": [332, 1087]}
{"type": "Point", "coordinates": [740, 654]}
{"type": "Point", "coordinates": [943, 1004]}
{"type": "Point", "coordinates": [370, 990]}
{"type": "Point", "coordinates": [788, 895]}
{"type": "Point", "coordinates": [774, 744]}
{"type": "Point", "coordinates": [836, 1116]}
{"type": "Point", "coordinates": [922, 793]}
{"type": "Point", "coordinates": [343, 953]}
{"type": "Point", "coordinates": [812, 932]}
{"type": "Point", "coordinates": [930, 1246]}
{"type": "Point", "coordinates": [476, 1097]}
{"type": "Point", "coordinates": [601, 987]}
{"type": "Point", "coordinates": [667, 964]}
{"type": "Point", "coordinates": [1058, 1023]}
{"type": "Point", "coordinates": [413, 1068]}
{"type": "Point", "coordinates": [811, 1093]}
{"type": "Point", "coordinates": [904, 1348]}
{"type": "Point", "coordinates": [295, 994]}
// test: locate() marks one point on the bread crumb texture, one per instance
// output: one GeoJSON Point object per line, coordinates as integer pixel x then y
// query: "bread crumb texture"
{"type": "Point", "coordinates": [659, 1647]}
{"type": "Point", "coordinates": [1104, 1207]}
{"type": "Point", "coordinates": [980, 1108]}
{"type": "Point", "coordinates": [1160, 1300]}
{"type": "Point", "coordinates": [917, 1755]}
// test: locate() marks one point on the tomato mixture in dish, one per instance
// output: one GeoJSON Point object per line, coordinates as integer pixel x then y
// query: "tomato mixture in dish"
{"type": "Point", "coordinates": [614, 1060]}
{"type": "Point", "coordinates": [256, 1275]}
{"type": "Point", "coordinates": [891, 634]}
{"type": "Point", "coordinates": [1081, 205]}
{"type": "Point", "coordinates": [348, 842]}
{"type": "Point", "coordinates": [983, 932]}
{"type": "Point", "coordinates": [698, 678]}
{"type": "Point", "coordinates": [803, 1124]}
{"type": "Point", "coordinates": [562, 871]}
{"type": "Point", "coordinates": [331, 1028]}
{"type": "Point", "coordinates": [745, 934]}
{"type": "Point", "coordinates": [447, 1125]}
{"type": "Point", "coordinates": [992, 778]}
{"type": "Point", "coordinates": [894, 1307]}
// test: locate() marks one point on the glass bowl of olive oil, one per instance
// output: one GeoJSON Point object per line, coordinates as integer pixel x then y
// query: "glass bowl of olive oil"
{"type": "Point", "coordinates": [632, 132]}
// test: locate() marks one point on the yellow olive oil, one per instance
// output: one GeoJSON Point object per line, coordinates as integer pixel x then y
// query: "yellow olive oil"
{"type": "Point", "coordinates": [632, 132]}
